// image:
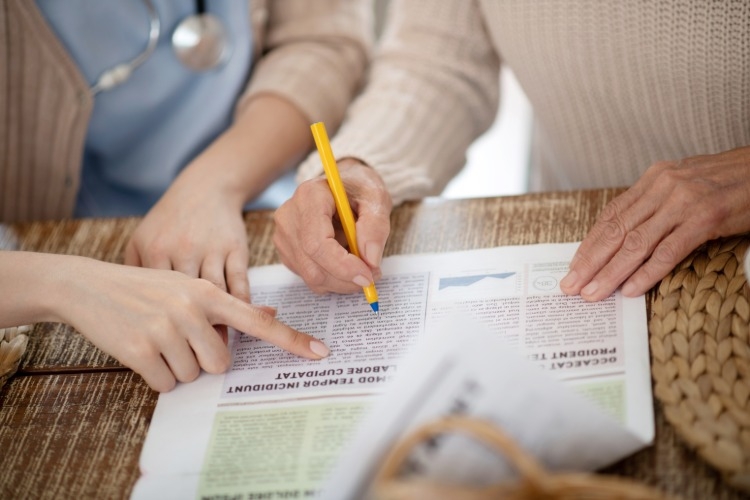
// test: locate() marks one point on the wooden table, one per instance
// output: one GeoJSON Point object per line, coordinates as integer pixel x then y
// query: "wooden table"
{"type": "Point", "coordinates": [73, 420]}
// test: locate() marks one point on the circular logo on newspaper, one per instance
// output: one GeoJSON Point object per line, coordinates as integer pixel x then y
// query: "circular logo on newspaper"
{"type": "Point", "coordinates": [545, 283]}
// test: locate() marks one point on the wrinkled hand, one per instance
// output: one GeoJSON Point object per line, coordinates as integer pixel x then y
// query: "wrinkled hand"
{"type": "Point", "coordinates": [197, 230]}
{"type": "Point", "coordinates": [161, 323]}
{"type": "Point", "coordinates": [646, 231]}
{"type": "Point", "coordinates": [310, 245]}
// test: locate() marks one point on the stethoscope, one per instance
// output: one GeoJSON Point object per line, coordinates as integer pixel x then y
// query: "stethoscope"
{"type": "Point", "coordinates": [200, 43]}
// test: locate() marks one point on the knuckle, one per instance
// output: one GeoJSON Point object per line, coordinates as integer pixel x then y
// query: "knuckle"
{"type": "Point", "coordinates": [636, 242]}
{"type": "Point", "coordinates": [610, 212]}
{"type": "Point", "coordinates": [305, 189]}
{"type": "Point", "coordinates": [710, 216]}
{"type": "Point", "coordinates": [190, 374]}
{"type": "Point", "coordinates": [263, 319]}
{"type": "Point", "coordinates": [296, 338]}
{"type": "Point", "coordinates": [613, 231]}
{"type": "Point", "coordinates": [183, 302]}
{"type": "Point", "coordinates": [584, 261]}
{"type": "Point", "coordinates": [216, 367]}
{"type": "Point", "coordinates": [221, 363]}
{"type": "Point", "coordinates": [156, 249]}
{"type": "Point", "coordinates": [669, 179]}
{"type": "Point", "coordinates": [218, 284]}
{"type": "Point", "coordinates": [666, 253]}
{"type": "Point", "coordinates": [141, 348]}
{"type": "Point", "coordinates": [310, 245]}
{"type": "Point", "coordinates": [611, 225]}
{"type": "Point", "coordinates": [662, 166]}
{"type": "Point", "coordinates": [313, 276]}
{"type": "Point", "coordinates": [163, 326]}
{"type": "Point", "coordinates": [238, 277]}
{"type": "Point", "coordinates": [186, 243]}
{"type": "Point", "coordinates": [207, 287]}
{"type": "Point", "coordinates": [682, 195]}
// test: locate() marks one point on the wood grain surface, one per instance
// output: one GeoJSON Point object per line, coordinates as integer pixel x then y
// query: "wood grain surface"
{"type": "Point", "coordinates": [73, 436]}
{"type": "Point", "coordinates": [73, 420]}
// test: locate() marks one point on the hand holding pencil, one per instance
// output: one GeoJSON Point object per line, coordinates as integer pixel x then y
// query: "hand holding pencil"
{"type": "Point", "coordinates": [342, 202]}
{"type": "Point", "coordinates": [305, 236]}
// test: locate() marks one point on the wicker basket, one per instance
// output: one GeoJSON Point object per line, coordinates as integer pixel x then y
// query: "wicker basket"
{"type": "Point", "coordinates": [701, 357]}
{"type": "Point", "coordinates": [534, 481]}
{"type": "Point", "coordinates": [13, 343]}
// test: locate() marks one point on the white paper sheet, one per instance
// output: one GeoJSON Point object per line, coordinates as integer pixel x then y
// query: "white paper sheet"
{"type": "Point", "coordinates": [275, 425]}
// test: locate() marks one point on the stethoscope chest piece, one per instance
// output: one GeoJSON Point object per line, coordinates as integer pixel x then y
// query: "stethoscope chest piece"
{"type": "Point", "coordinates": [200, 42]}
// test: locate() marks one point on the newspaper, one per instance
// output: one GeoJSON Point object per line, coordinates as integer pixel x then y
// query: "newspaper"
{"type": "Point", "coordinates": [274, 426]}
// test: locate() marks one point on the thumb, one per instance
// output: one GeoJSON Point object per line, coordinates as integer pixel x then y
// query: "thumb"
{"type": "Point", "coordinates": [369, 196]}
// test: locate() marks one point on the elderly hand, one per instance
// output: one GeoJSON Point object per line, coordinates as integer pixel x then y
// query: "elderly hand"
{"type": "Point", "coordinates": [672, 209]}
{"type": "Point", "coordinates": [309, 244]}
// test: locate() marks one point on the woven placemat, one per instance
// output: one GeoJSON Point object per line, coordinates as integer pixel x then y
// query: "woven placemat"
{"type": "Point", "coordinates": [701, 357]}
{"type": "Point", "coordinates": [13, 343]}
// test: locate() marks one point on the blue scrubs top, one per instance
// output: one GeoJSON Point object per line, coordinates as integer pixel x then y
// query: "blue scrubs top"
{"type": "Point", "coordinates": [143, 132]}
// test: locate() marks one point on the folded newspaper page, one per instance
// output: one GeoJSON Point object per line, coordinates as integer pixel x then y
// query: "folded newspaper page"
{"type": "Point", "coordinates": [463, 370]}
{"type": "Point", "coordinates": [275, 425]}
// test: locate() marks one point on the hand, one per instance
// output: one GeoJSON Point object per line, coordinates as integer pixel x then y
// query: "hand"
{"type": "Point", "coordinates": [646, 231]}
{"type": "Point", "coordinates": [197, 229]}
{"type": "Point", "coordinates": [309, 244]}
{"type": "Point", "coordinates": [160, 323]}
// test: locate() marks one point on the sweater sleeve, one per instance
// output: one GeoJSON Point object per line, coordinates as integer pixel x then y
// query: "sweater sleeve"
{"type": "Point", "coordinates": [314, 55]}
{"type": "Point", "coordinates": [432, 90]}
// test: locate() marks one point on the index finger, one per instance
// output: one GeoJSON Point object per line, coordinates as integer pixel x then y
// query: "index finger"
{"type": "Point", "coordinates": [319, 244]}
{"type": "Point", "coordinates": [606, 238]}
{"type": "Point", "coordinates": [261, 324]}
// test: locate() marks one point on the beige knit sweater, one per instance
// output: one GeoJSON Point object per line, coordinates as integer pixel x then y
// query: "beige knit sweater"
{"type": "Point", "coordinates": [313, 54]}
{"type": "Point", "coordinates": [615, 86]}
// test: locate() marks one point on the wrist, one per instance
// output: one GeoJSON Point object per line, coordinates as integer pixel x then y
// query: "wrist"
{"type": "Point", "coordinates": [66, 283]}
{"type": "Point", "coordinates": [350, 162]}
{"type": "Point", "coordinates": [217, 178]}
{"type": "Point", "coordinates": [37, 287]}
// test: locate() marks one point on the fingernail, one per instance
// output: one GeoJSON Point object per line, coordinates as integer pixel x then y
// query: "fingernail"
{"type": "Point", "coordinates": [628, 289]}
{"type": "Point", "coordinates": [372, 254]}
{"type": "Point", "coordinates": [590, 289]}
{"type": "Point", "coordinates": [569, 280]}
{"type": "Point", "coordinates": [360, 280]}
{"type": "Point", "coordinates": [319, 348]}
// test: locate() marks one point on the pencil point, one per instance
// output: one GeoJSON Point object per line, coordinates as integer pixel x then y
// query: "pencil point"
{"type": "Point", "coordinates": [375, 307]}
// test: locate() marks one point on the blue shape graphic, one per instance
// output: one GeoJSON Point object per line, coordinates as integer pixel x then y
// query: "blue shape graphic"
{"type": "Point", "coordinates": [470, 280]}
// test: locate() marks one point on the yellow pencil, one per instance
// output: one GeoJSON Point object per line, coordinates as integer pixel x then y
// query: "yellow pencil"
{"type": "Point", "coordinates": [342, 202]}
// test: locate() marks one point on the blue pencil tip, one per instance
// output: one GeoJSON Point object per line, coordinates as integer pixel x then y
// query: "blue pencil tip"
{"type": "Point", "coordinates": [375, 307]}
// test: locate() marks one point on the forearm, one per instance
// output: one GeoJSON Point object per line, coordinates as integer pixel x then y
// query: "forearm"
{"type": "Point", "coordinates": [268, 137]}
{"type": "Point", "coordinates": [314, 56]}
{"type": "Point", "coordinates": [438, 69]}
{"type": "Point", "coordinates": [32, 286]}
